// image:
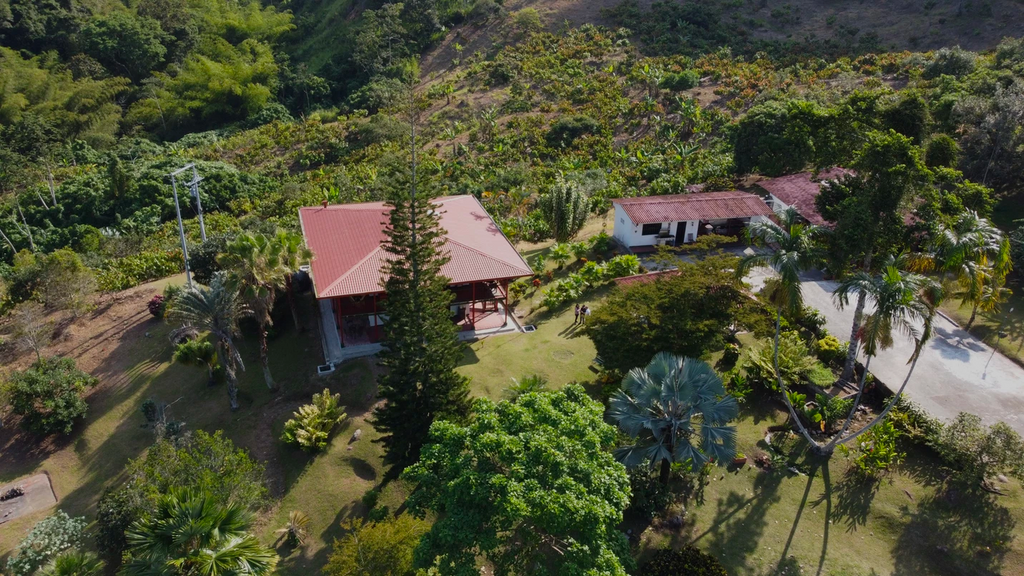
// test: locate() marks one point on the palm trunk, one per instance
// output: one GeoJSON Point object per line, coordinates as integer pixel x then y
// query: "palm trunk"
{"type": "Point", "coordinates": [229, 373]}
{"type": "Point", "coordinates": [858, 316]}
{"type": "Point", "coordinates": [974, 314]}
{"type": "Point", "coordinates": [782, 385]}
{"type": "Point", "coordinates": [888, 406]}
{"type": "Point", "coordinates": [9, 243]}
{"type": "Point", "coordinates": [827, 450]}
{"type": "Point", "coordinates": [851, 350]}
{"type": "Point", "coordinates": [265, 359]}
{"type": "Point", "coordinates": [289, 291]}
{"type": "Point", "coordinates": [209, 375]}
{"type": "Point", "coordinates": [666, 471]}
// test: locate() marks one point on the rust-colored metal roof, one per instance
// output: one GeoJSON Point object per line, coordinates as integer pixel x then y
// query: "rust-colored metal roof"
{"type": "Point", "coordinates": [347, 255]}
{"type": "Point", "coordinates": [800, 190]}
{"type": "Point", "coordinates": [699, 206]}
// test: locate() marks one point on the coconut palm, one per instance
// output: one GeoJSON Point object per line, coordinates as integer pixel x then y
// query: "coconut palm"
{"type": "Point", "coordinates": [216, 309]}
{"type": "Point", "coordinates": [977, 255]}
{"type": "Point", "coordinates": [259, 265]}
{"type": "Point", "coordinates": [525, 385]}
{"type": "Point", "coordinates": [73, 563]}
{"type": "Point", "coordinates": [902, 302]}
{"type": "Point", "coordinates": [192, 533]}
{"type": "Point", "coordinates": [675, 410]}
{"type": "Point", "coordinates": [795, 250]}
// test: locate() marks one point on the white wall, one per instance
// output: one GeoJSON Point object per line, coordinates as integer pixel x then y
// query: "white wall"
{"type": "Point", "coordinates": [776, 204]}
{"type": "Point", "coordinates": [629, 234]}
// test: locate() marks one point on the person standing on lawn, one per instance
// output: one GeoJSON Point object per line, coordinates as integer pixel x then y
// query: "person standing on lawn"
{"type": "Point", "coordinates": [577, 314]}
{"type": "Point", "coordinates": [584, 312]}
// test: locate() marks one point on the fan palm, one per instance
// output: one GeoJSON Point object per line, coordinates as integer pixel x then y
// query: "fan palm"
{"type": "Point", "coordinates": [215, 309]}
{"type": "Point", "coordinates": [796, 250]}
{"type": "Point", "coordinates": [73, 563]}
{"type": "Point", "coordinates": [191, 533]}
{"type": "Point", "coordinates": [675, 410]}
{"type": "Point", "coordinates": [259, 265]}
{"type": "Point", "coordinates": [902, 301]}
{"type": "Point", "coordinates": [295, 530]}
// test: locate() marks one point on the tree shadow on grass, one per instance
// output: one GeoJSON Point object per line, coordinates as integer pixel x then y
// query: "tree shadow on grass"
{"type": "Point", "coordinates": [853, 500]}
{"type": "Point", "coordinates": [956, 531]}
{"type": "Point", "coordinates": [740, 521]}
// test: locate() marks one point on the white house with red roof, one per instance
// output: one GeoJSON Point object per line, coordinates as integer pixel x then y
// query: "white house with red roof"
{"type": "Point", "coordinates": [799, 191]}
{"type": "Point", "coordinates": [642, 223]}
{"type": "Point", "coordinates": [346, 241]}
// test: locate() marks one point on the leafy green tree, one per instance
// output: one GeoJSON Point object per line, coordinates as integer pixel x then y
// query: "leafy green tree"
{"type": "Point", "coordinates": [48, 395]}
{"type": "Point", "coordinates": [216, 309]}
{"type": "Point", "coordinates": [778, 138]}
{"type": "Point", "coordinates": [200, 461]}
{"type": "Point", "coordinates": [384, 547]}
{"type": "Point", "coordinates": [690, 561]}
{"type": "Point", "coordinates": [795, 249]}
{"type": "Point", "coordinates": [868, 209]}
{"type": "Point", "coordinates": [642, 319]}
{"type": "Point", "coordinates": [126, 44]}
{"type": "Point", "coordinates": [565, 208]}
{"type": "Point", "coordinates": [312, 424]}
{"type": "Point", "coordinates": [191, 532]}
{"type": "Point", "coordinates": [525, 483]}
{"type": "Point", "coordinates": [381, 41]}
{"type": "Point", "coordinates": [48, 539]}
{"type": "Point", "coordinates": [421, 348]}
{"type": "Point", "coordinates": [977, 452]}
{"type": "Point", "coordinates": [908, 115]}
{"type": "Point", "coordinates": [259, 265]}
{"type": "Point", "coordinates": [941, 151]}
{"type": "Point", "coordinates": [674, 410]}
{"type": "Point", "coordinates": [73, 563]}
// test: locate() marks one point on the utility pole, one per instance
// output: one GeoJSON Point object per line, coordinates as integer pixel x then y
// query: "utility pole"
{"type": "Point", "coordinates": [193, 186]}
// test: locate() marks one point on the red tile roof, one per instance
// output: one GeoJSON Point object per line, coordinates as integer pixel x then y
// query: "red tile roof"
{"type": "Point", "coordinates": [800, 190]}
{"type": "Point", "coordinates": [700, 206]}
{"type": "Point", "coordinates": [347, 256]}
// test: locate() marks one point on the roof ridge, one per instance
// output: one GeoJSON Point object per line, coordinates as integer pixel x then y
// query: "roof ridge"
{"type": "Point", "coordinates": [354, 268]}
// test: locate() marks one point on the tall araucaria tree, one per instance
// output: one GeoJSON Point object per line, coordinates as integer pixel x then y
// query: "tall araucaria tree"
{"type": "Point", "coordinates": [795, 250]}
{"type": "Point", "coordinates": [260, 265]}
{"type": "Point", "coordinates": [421, 348]}
{"type": "Point", "coordinates": [868, 209]}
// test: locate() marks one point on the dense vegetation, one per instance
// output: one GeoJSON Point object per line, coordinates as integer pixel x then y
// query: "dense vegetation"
{"type": "Point", "coordinates": [101, 100]}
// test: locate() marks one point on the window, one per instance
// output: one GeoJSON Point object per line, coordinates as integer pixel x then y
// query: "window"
{"type": "Point", "coordinates": [651, 229]}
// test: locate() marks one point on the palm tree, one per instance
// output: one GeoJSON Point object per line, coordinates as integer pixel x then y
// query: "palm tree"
{"type": "Point", "coordinates": [977, 255]}
{"type": "Point", "coordinates": [73, 563]}
{"type": "Point", "coordinates": [295, 531]}
{"type": "Point", "coordinates": [901, 302]}
{"type": "Point", "coordinates": [796, 250]}
{"type": "Point", "coordinates": [259, 265]}
{"type": "Point", "coordinates": [215, 309]}
{"type": "Point", "coordinates": [666, 407]}
{"type": "Point", "coordinates": [525, 385]}
{"type": "Point", "coordinates": [191, 533]}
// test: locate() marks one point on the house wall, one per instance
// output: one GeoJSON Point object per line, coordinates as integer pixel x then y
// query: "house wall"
{"type": "Point", "coordinates": [776, 204]}
{"type": "Point", "coordinates": [630, 234]}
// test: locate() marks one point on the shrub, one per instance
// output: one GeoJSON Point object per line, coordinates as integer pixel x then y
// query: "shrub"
{"type": "Point", "coordinates": [49, 395]}
{"type": "Point", "coordinates": [124, 273]}
{"type": "Point", "coordinates": [592, 273]}
{"type": "Point", "coordinates": [559, 254]}
{"type": "Point", "coordinates": [876, 452]}
{"type": "Point", "coordinates": [648, 496]}
{"type": "Point", "coordinates": [383, 547]}
{"type": "Point", "coordinates": [527, 20]}
{"type": "Point", "coordinates": [568, 129]}
{"type": "Point", "coordinates": [156, 306]}
{"type": "Point", "coordinates": [830, 350]}
{"type": "Point", "coordinates": [730, 355]}
{"type": "Point", "coordinates": [623, 265]}
{"type": "Point", "coordinates": [954, 62]}
{"type": "Point", "coordinates": [48, 538]}
{"type": "Point", "coordinates": [941, 151]}
{"type": "Point", "coordinates": [202, 259]}
{"type": "Point", "coordinates": [795, 361]}
{"type": "Point", "coordinates": [811, 320]}
{"type": "Point", "coordinates": [579, 249]}
{"type": "Point", "coordinates": [601, 243]}
{"type": "Point", "coordinates": [684, 80]}
{"type": "Point", "coordinates": [312, 424]}
{"type": "Point", "coordinates": [976, 452]}
{"type": "Point", "coordinates": [689, 561]}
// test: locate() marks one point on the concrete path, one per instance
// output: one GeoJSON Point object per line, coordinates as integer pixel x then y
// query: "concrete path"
{"type": "Point", "coordinates": [956, 372]}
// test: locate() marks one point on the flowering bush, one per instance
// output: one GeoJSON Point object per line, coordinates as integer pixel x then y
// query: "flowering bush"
{"type": "Point", "coordinates": [156, 306]}
{"type": "Point", "coordinates": [48, 538]}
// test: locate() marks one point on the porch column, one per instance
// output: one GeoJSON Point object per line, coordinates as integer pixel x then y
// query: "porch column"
{"type": "Point", "coordinates": [505, 285]}
{"type": "Point", "coordinates": [472, 307]}
{"type": "Point", "coordinates": [340, 320]}
{"type": "Point", "coordinates": [376, 320]}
